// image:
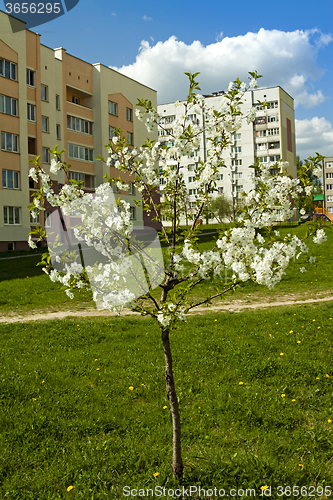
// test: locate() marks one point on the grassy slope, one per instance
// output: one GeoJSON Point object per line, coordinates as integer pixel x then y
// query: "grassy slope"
{"type": "Point", "coordinates": [68, 417]}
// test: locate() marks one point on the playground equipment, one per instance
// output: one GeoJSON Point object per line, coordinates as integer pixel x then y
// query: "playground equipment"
{"type": "Point", "coordinates": [322, 210]}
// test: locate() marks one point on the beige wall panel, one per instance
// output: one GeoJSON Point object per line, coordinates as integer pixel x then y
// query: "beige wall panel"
{"type": "Point", "coordinates": [31, 94]}
{"type": "Point", "coordinates": [10, 161]}
{"type": "Point", "coordinates": [32, 129]}
{"type": "Point", "coordinates": [81, 111]}
{"type": "Point", "coordinates": [80, 139]}
{"type": "Point", "coordinates": [32, 50]}
{"type": "Point", "coordinates": [10, 124]}
{"type": "Point", "coordinates": [9, 87]}
{"type": "Point", "coordinates": [77, 72]}
{"type": "Point", "coordinates": [81, 166]}
{"type": "Point", "coordinates": [8, 53]}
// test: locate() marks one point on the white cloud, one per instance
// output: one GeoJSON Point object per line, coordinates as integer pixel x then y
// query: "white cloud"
{"type": "Point", "coordinates": [287, 59]}
{"type": "Point", "coordinates": [146, 18]}
{"type": "Point", "coordinates": [219, 37]}
{"type": "Point", "coordinates": [113, 14]}
{"type": "Point", "coordinates": [314, 135]}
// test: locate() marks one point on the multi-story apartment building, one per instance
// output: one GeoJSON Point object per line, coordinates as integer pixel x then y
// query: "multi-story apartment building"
{"type": "Point", "coordinates": [270, 137]}
{"type": "Point", "coordinates": [49, 98]}
{"type": "Point", "coordinates": [328, 184]}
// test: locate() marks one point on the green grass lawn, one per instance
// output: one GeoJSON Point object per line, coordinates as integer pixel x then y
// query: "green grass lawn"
{"type": "Point", "coordinates": [39, 293]}
{"type": "Point", "coordinates": [255, 394]}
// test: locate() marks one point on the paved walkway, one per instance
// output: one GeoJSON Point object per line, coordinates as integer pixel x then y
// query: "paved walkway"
{"type": "Point", "coordinates": [235, 306]}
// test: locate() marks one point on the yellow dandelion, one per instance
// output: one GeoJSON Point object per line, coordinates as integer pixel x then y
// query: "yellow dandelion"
{"type": "Point", "coordinates": [43, 381]}
{"type": "Point", "coordinates": [327, 375]}
{"type": "Point", "coordinates": [215, 319]}
{"type": "Point", "coordinates": [329, 420]}
{"type": "Point", "coordinates": [156, 474]}
{"type": "Point", "coordinates": [264, 487]}
{"type": "Point", "coordinates": [142, 384]}
{"type": "Point", "coordinates": [34, 399]}
{"type": "Point", "coordinates": [270, 334]}
{"type": "Point", "coordinates": [283, 395]}
{"type": "Point", "coordinates": [70, 488]}
{"type": "Point", "coordinates": [313, 320]}
{"type": "Point", "coordinates": [276, 323]}
{"type": "Point", "coordinates": [318, 327]}
{"type": "Point", "coordinates": [77, 325]}
{"type": "Point", "coordinates": [329, 318]}
{"type": "Point", "coordinates": [300, 465]}
{"type": "Point", "coordinates": [131, 388]}
{"type": "Point", "coordinates": [291, 331]}
{"type": "Point", "coordinates": [97, 369]}
{"type": "Point", "coordinates": [317, 378]}
{"type": "Point", "coordinates": [294, 314]}
{"type": "Point", "coordinates": [240, 383]}
{"type": "Point", "coordinates": [281, 353]}
{"type": "Point", "coordinates": [164, 407]}
{"type": "Point", "coordinates": [293, 400]}
{"type": "Point", "coordinates": [96, 359]}
{"type": "Point", "coordinates": [298, 341]}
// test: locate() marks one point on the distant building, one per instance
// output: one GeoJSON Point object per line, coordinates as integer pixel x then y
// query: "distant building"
{"type": "Point", "coordinates": [328, 184]}
{"type": "Point", "coordinates": [270, 137]}
{"type": "Point", "coordinates": [49, 98]}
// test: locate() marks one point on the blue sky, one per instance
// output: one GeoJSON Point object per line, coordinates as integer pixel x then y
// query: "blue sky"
{"type": "Point", "coordinates": [289, 42]}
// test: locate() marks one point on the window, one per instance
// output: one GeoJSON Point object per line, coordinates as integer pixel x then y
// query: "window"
{"type": "Point", "coordinates": [192, 191]}
{"type": "Point", "coordinates": [221, 177]}
{"type": "Point", "coordinates": [191, 179]}
{"type": "Point", "coordinates": [115, 188]}
{"type": "Point", "coordinates": [9, 142]}
{"type": "Point", "coordinates": [274, 145]}
{"type": "Point", "coordinates": [45, 124]}
{"type": "Point", "coordinates": [169, 119]}
{"type": "Point", "coordinates": [8, 105]}
{"type": "Point", "coordinates": [239, 188]}
{"type": "Point", "coordinates": [31, 112]}
{"type": "Point", "coordinates": [191, 118]}
{"type": "Point", "coordinates": [236, 149]}
{"type": "Point", "coordinates": [47, 219]}
{"type": "Point", "coordinates": [220, 190]}
{"type": "Point", "coordinates": [129, 114]}
{"type": "Point", "coordinates": [32, 146]}
{"type": "Point", "coordinates": [45, 155]}
{"type": "Point", "coordinates": [161, 132]}
{"type": "Point", "coordinates": [260, 120]}
{"type": "Point", "coordinates": [31, 78]}
{"type": "Point", "coordinates": [112, 133]}
{"type": "Point", "coordinates": [329, 175]}
{"type": "Point", "coordinates": [162, 181]}
{"type": "Point", "coordinates": [237, 137]}
{"type": "Point", "coordinates": [10, 179]}
{"type": "Point", "coordinates": [329, 197]}
{"type": "Point", "coordinates": [329, 164]}
{"type": "Point", "coordinates": [113, 108]}
{"type": "Point", "coordinates": [57, 97]}
{"type": "Point", "coordinates": [272, 119]}
{"type": "Point", "coordinates": [79, 125]}
{"type": "Point", "coordinates": [191, 167]}
{"type": "Point", "coordinates": [236, 163]}
{"type": "Point", "coordinates": [169, 131]}
{"type": "Point", "coordinates": [330, 209]}
{"type": "Point", "coordinates": [261, 133]}
{"type": "Point", "coordinates": [131, 188]}
{"type": "Point", "coordinates": [80, 152]}
{"type": "Point", "coordinates": [130, 138]}
{"type": "Point", "coordinates": [12, 215]}
{"type": "Point", "coordinates": [58, 134]}
{"type": "Point", "coordinates": [133, 216]}
{"type": "Point", "coordinates": [237, 175]}
{"type": "Point", "coordinates": [75, 99]}
{"type": "Point", "coordinates": [8, 69]}
{"type": "Point", "coordinates": [329, 187]}
{"type": "Point", "coordinates": [273, 131]}
{"type": "Point", "coordinates": [261, 146]}
{"type": "Point", "coordinates": [44, 93]}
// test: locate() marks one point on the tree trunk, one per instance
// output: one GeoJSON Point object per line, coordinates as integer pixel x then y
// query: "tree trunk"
{"type": "Point", "coordinates": [177, 463]}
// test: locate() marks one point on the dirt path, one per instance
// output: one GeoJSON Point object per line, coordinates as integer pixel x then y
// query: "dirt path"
{"type": "Point", "coordinates": [234, 306]}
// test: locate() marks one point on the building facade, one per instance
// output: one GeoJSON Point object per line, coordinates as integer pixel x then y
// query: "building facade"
{"type": "Point", "coordinates": [270, 137]}
{"type": "Point", "coordinates": [47, 98]}
{"type": "Point", "coordinates": [328, 184]}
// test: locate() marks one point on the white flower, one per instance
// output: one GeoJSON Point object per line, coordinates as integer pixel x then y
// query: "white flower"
{"type": "Point", "coordinates": [302, 211]}
{"type": "Point", "coordinates": [320, 237]}
{"type": "Point", "coordinates": [33, 174]}
{"type": "Point", "coordinates": [312, 259]}
{"type": "Point", "coordinates": [31, 243]}
{"type": "Point", "coordinates": [69, 293]}
{"type": "Point", "coordinates": [303, 270]}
